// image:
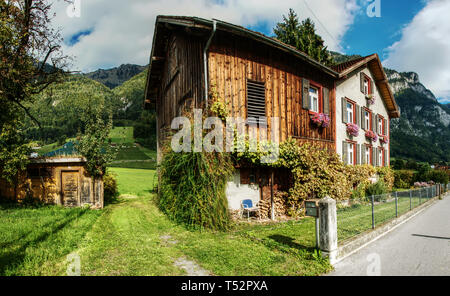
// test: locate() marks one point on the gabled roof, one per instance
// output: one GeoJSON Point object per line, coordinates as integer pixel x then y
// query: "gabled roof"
{"type": "Point", "coordinates": [163, 21]}
{"type": "Point", "coordinates": [374, 64]}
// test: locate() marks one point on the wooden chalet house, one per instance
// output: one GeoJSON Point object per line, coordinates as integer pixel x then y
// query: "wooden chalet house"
{"type": "Point", "coordinates": [256, 76]}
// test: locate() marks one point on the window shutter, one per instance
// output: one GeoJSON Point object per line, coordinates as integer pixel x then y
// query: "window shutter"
{"type": "Point", "coordinates": [376, 124]}
{"type": "Point", "coordinates": [306, 102]}
{"type": "Point", "coordinates": [344, 152]}
{"type": "Point", "coordinates": [358, 115]}
{"type": "Point", "coordinates": [385, 158]}
{"type": "Point", "coordinates": [372, 87]}
{"type": "Point", "coordinates": [363, 154]}
{"type": "Point", "coordinates": [363, 119]}
{"type": "Point", "coordinates": [384, 127]}
{"type": "Point", "coordinates": [374, 153]}
{"type": "Point", "coordinates": [362, 81]}
{"type": "Point", "coordinates": [344, 110]}
{"type": "Point", "coordinates": [256, 100]}
{"type": "Point", "coordinates": [326, 101]}
{"type": "Point", "coordinates": [358, 154]}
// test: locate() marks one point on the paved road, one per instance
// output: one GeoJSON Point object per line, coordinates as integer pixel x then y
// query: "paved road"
{"type": "Point", "coordinates": [420, 246]}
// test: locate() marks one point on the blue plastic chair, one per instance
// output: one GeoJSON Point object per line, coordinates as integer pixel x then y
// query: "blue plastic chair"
{"type": "Point", "coordinates": [247, 206]}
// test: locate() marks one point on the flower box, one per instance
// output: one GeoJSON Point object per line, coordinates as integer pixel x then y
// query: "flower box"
{"type": "Point", "coordinates": [320, 120]}
{"type": "Point", "coordinates": [384, 140]}
{"type": "Point", "coordinates": [371, 136]}
{"type": "Point", "coordinates": [352, 129]}
{"type": "Point", "coordinates": [370, 99]}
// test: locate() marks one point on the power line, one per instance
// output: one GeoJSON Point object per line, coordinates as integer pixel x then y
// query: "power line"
{"type": "Point", "coordinates": [318, 20]}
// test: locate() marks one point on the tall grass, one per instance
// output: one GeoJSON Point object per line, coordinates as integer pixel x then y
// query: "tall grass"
{"type": "Point", "coordinates": [193, 186]}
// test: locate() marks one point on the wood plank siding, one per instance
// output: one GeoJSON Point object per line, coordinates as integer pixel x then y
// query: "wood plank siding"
{"type": "Point", "coordinates": [233, 60]}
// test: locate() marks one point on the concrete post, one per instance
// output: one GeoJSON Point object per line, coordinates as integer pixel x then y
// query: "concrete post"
{"type": "Point", "coordinates": [328, 228]}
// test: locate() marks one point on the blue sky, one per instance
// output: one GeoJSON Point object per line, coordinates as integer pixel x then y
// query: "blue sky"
{"type": "Point", "coordinates": [410, 35]}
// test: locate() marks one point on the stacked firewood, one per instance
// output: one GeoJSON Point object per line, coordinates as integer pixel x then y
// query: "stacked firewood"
{"type": "Point", "coordinates": [279, 203]}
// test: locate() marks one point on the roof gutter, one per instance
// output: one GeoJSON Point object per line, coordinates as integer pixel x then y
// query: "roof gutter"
{"type": "Point", "coordinates": [205, 60]}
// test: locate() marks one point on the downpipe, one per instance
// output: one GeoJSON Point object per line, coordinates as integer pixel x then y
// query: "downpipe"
{"type": "Point", "coordinates": [205, 60]}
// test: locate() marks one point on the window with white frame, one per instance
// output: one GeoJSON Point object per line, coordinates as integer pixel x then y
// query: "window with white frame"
{"type": "Point", "coordinates": [380, 157]}
{"type": "Point", "coordinates": [351, 154]}
{"type": "Point", "coordinates": [314, 99]}
{"type": "Point", "coordinates": [350, 112]}
{"type": "Point", "coordinates": [380, 125]}
{"type": "Point", "coordinates": [366, 86]}
{"type": "Point", "coordinates": [367, 119]}
{"type": "Point", "coordinates": [367, 155]}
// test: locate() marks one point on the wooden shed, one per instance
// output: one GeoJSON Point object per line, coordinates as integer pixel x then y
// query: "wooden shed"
{"type": "Point", "coordinates": [60, 181]}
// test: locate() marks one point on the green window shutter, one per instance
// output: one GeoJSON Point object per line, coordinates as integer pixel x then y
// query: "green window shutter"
{"type": "Point", "coordinates": [358, 154]}
{"type": "Point", "coordinates": [326, 101]}
{"type": "Point", "coordinates": [358, 115]}
{"type": "Point", "coordinates": [344, 152]}
{"type": "Point", "coordinates": [386, 162]}
{"type": "Point", "coordinates": [362, 81]}
{"type": "Point", "coordinates": [363, 154]}
{"type": "Point", "coordinates": [376, 124]}
{"type": "Point", "coordinates": [306, 103]}
{"type": "Point", "coordinates": [384, 127]}
{"type": "Point", "coordinates": [374, 153]}
{"type": "Point", "coordinates": [344, 110]}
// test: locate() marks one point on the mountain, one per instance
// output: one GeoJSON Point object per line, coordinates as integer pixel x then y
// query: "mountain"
{"type": "Point", "coordinates": [423, 130]}
{"type": "Point", "coordinates": [115, 76]}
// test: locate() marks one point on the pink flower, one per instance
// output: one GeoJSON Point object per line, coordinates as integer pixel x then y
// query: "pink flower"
{"type": "Point", "coordinates": [371, 136]}
{"type": "Point", "coordinates": [321, 120]}
{"type": "Point", "coordinates": [352, 129]}
{"type": "Point", "coordinates": [384, 139]}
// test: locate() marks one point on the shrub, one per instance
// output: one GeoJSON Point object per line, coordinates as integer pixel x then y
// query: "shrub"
{"type": "Point", "coordinates": [192, 188]}
{"type": "Point", "coordinates": [110, 187]}
{"type": "Point", "coordinates": [377, 188]}
{"type": "Point", "coordinates": [403, 179]}
{"type": "Point", "coordinates": [438, 176]}
{"type": "Point", "coordinates": [386, 174]}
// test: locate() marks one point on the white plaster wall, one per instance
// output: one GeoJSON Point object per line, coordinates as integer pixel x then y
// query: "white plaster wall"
{"type": "Point", "coordinates": [236, 192]}
{"type": "Point", "coordinates": [351, 89]}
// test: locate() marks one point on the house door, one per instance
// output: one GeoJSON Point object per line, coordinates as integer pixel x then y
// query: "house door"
{"type": "Point", "coordinates": [70, 188]}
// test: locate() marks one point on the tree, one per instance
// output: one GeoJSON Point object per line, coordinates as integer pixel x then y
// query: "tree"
{"type": "Point", "coordinates": [14, 153]}
{"type": "Point", "coordinates": [303, 37]}
{"type": "Point", "coordinates": [30, 61]}
{"type": "Point", "coordinates": [30, 52]}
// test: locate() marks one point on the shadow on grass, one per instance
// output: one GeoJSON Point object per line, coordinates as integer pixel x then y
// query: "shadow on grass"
{"type": "Point", "coordinates": [17, 256]}
{"type": "Point", "coordinates": [290, 243]}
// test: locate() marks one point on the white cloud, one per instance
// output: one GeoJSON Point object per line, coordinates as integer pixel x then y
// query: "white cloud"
{"type": "Point", "coordinates": [424, 48]}
{"type": "Point", "coordinates": [122, 30]}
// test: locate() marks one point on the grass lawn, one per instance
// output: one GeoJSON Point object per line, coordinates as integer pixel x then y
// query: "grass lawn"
{"type": "Point", "coordinates": [132, 237]}
{"type": "Point", "coordinates": [358, 218]}
{"type": "Point", "coordinates": [122, 135]}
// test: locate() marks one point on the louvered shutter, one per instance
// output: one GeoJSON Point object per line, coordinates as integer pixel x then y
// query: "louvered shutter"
{"type": "Point", "coordinates": [374, 152]}
{"type": "Point", "coordinates": [373, 123]}
{"type": "Point", "coordinates": [344, 110]}
{"type": "Point", "coordinates": [363, 154]}
{"type": "Point", "coordinates": [372, 87]}
{"type": "Point", "coordinates": [384, 127]}
{"type": "Point", "coordinates": [376, 124]}
{"type": "Point", "coordinates": [386, 162]}
{"type": "Point", "coordinates": [326, 101]}
{"type": "Point", "coordinates": [256, 101]}
{"type": "Point", "coordinates": [306, 103]}
{"type": "Point", "coordinates": [358, 115]}
{"type": "Point", "coordinates": [358, 154]}
{"type": "Point", "coordinates": [344, 152]}
{"type": "Point", "coordinates": [362, 81]}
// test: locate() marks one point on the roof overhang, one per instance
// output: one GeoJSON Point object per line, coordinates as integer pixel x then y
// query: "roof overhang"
{"type": "Point", "coordinates": [376, 68]}
{"type": "Point", "coordinates": [164, 22]}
